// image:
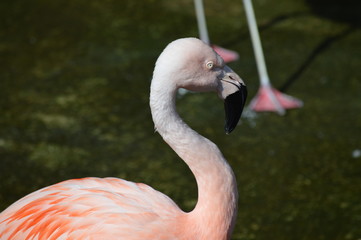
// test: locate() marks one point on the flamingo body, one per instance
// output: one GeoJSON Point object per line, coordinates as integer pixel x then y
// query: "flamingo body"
{"type": "Point", "coordinates": [111, 208]}
{"type": "Point", "coordinates": [102, 208]}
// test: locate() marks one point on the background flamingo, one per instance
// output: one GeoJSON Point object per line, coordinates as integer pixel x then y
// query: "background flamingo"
{"type": "Point", "coordinates": [111, 208]}
{"type": "Point", "coordinates": [227, 54]}
{"type": "Point", "coordinates": [267, 98]}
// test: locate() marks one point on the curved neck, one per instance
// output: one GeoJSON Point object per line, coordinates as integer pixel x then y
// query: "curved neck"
{"type": "Point", "coordinates": [217, 190]}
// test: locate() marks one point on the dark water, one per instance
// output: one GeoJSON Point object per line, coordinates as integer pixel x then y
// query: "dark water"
{"type": "Point", "coordinates": [74, 88]}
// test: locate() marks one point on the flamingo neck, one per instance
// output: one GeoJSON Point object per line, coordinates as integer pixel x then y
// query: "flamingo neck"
{"type": "Point", "coordinates": [215, 212]}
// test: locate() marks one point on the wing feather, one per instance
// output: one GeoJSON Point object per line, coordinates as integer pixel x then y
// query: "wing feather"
{"type": "Point", "coordinates": [88, 207]}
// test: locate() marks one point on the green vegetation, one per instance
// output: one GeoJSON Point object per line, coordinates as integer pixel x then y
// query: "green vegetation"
{"type": "Point", "coordinates": [74, 88]}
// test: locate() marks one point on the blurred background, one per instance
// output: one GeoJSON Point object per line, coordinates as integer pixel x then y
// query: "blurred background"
{"type": "Point", "coordinates": [74, 89]}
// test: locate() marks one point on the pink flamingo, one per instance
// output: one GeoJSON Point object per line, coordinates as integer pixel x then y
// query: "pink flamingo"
{"type": "Point", "coordinates": [111, 208]}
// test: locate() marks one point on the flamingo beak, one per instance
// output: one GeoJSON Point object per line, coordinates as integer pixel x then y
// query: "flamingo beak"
{"type": "Point", "coordinates": [233, 106]}
{"type": "Point", "coordinates": [234, 92]}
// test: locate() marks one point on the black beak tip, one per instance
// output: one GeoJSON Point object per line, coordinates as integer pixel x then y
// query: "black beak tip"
{"type": "Point", "coordinates": [233, 106]}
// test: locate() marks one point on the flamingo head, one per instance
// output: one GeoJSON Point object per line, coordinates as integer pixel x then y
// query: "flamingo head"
{"type": "Point", "coordinates": [192, 64]}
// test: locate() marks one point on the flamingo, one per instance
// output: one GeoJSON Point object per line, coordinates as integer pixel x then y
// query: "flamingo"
{"type": "Point", "coordinates": [112, 208]}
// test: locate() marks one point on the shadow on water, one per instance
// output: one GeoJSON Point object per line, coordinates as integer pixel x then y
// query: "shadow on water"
{"type": "Point", "coordinates": [319, 49]}
{"type": "Point", "coordinates": [347, 11]}
{"type": "Point", "coordinates": [339, 11]}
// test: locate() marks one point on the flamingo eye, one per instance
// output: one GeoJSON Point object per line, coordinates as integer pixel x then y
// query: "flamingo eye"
{"type": "Point", "coordinates": [209, 65]}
